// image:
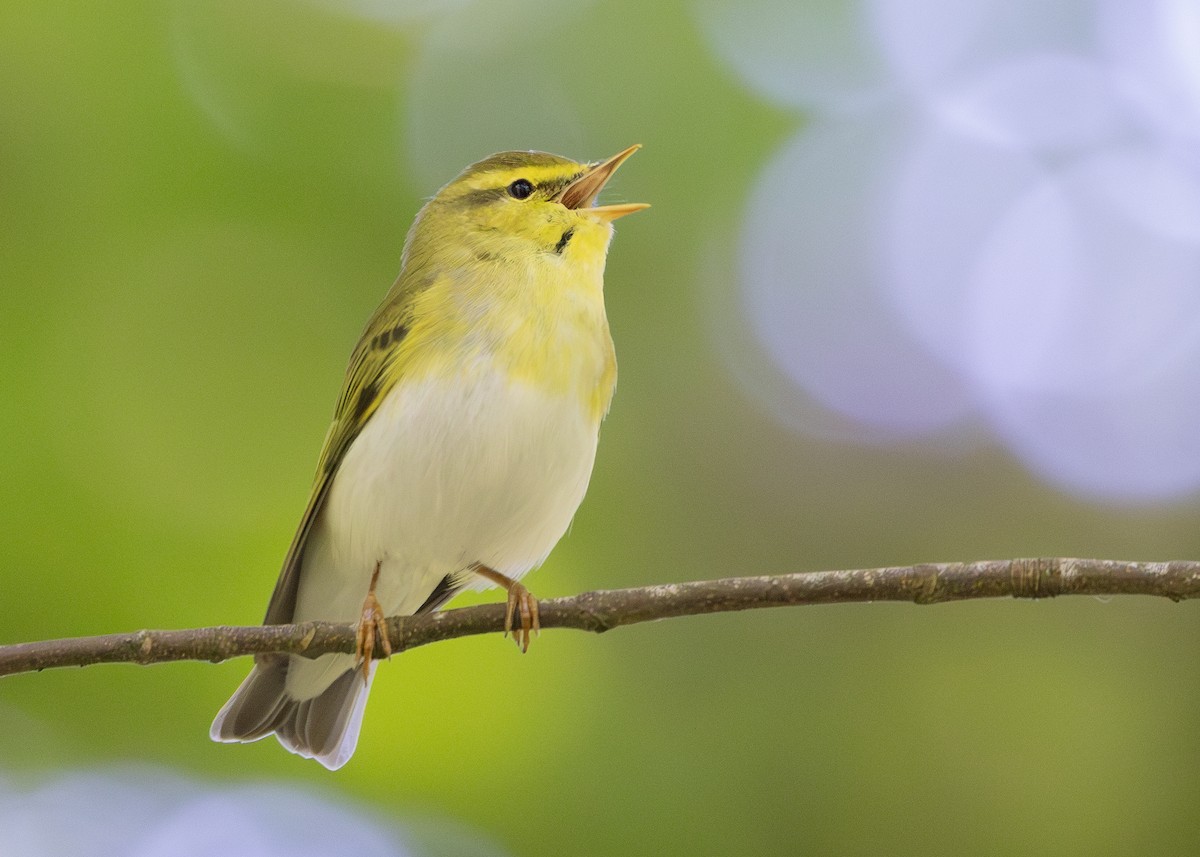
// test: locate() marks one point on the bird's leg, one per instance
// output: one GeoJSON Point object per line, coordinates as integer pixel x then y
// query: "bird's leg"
{"type": "Point", "coordinates": [372, 624]}
{"type": "Point", "coordinates": [520, 601]}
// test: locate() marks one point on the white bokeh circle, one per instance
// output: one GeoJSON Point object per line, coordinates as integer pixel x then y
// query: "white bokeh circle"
{"type": "Point", "coordinates": [812, 287]}
{"type": "Point", "coordinates": [993, 211]}
{"type": "Point", "coordinates": [800, 54]}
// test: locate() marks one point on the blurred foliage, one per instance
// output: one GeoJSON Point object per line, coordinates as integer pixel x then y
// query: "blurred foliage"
{"type": "Point", "coordinates": [200, 203]}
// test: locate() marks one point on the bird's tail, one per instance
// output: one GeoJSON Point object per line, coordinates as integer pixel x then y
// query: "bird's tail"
{"type": "Point", "coordinates": [323, 727]}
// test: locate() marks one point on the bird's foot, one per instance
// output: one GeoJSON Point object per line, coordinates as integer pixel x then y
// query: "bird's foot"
{"type": "Point", "coordinates": [372, 626]}
{"type": "Point", "coordinates": [521, 603]}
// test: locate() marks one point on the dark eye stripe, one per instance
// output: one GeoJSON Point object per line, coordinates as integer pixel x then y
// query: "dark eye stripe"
{"type": "Point", "coordinates": [481, 197]}
{"type": "Point", "coordinates": [549, 188]}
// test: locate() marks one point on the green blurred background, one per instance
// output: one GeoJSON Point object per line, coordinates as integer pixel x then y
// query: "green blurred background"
{"type": "Point", "coordinates": [200, 204]}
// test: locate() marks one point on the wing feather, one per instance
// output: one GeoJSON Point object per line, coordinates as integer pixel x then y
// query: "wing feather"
{"type": "Point", "coordinates": [374, 369]}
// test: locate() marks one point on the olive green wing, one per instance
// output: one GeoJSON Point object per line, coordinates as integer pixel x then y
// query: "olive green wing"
{"type": "Point", "coordinates": [370, 376]}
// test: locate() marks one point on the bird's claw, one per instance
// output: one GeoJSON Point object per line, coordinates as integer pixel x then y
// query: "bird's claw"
{"type": "Point", "coordinates": [522, 603]}
{"type": "Point", "coordinates": [372, 626]}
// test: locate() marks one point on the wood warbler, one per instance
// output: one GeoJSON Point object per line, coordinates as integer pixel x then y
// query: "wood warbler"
{"type": "Point", "coordinates": [462, 441]}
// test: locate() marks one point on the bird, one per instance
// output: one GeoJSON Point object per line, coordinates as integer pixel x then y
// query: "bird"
{"type": "Point", "coordinates": [462, 441]}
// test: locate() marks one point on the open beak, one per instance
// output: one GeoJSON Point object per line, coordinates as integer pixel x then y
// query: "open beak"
{"type": "Point", "coordinates": [581, 193]}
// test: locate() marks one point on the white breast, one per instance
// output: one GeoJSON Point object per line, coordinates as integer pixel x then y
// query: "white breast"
{"type": "Point", "coordinates": [446, 474]}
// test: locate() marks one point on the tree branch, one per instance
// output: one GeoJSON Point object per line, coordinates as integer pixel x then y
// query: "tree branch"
{"type": "Point", "coordinates": [604, 610]}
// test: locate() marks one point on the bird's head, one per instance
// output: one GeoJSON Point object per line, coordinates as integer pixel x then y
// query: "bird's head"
{"type": "Point", "coordinates": [516, 204]}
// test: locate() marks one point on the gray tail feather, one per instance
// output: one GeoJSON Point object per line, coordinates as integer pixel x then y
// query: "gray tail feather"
{"type": "Point", "coordinates": [324, 727]}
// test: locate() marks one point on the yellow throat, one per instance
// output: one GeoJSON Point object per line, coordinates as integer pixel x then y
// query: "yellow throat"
{"type": "Point", "coordinates": [506, 264]}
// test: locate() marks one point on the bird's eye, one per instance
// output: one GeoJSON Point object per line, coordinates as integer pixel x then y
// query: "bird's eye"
{"type": "Point", "coordinates": [520, 189]}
